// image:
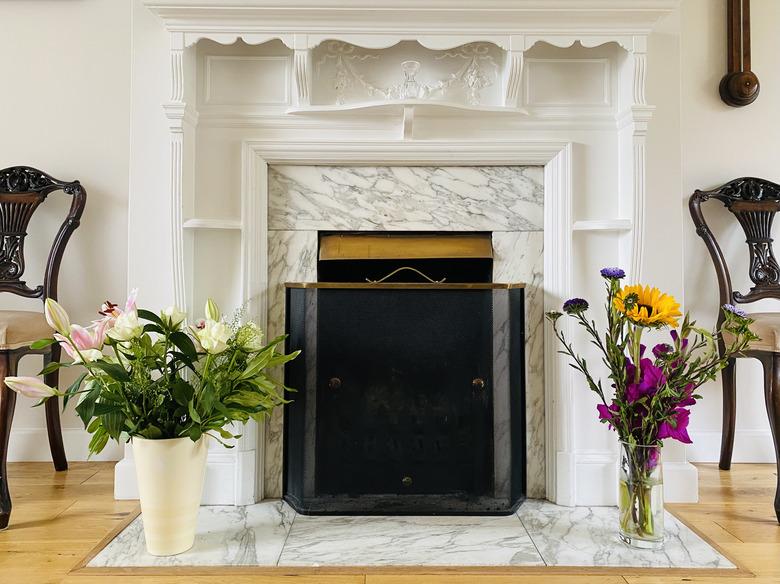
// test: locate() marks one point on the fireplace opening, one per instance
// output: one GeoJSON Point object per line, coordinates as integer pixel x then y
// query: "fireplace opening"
{"type": "Point", "coordinates": [370, 257]}
{"type": "Point", "coordinates": [410, 386]}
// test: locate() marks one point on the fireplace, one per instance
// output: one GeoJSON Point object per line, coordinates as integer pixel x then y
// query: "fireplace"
{"type": "Point", "coordinates": [411, 384]}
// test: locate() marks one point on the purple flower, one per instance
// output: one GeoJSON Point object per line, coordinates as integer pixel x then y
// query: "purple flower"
{"type": "Point", "coordinates": [734, 310]}
{"type": "Point", "coordinates": [676, 337]}
{"type": "Point", "coordinates": [606, 413]}
{"type": "Point", "coordinates": [612, 273]}
{"type": "Point", "coordinates": [653, 458]}
{"type": "Point", "coordinates": [651, 379]}
{"type": "Point", "coordinates": [687, 398]}
{"type": "Point", "coordinates": [575, 306]}
{"type": "Point", "coordinates": [662, 349]}
{"type": "Point", "coordinates": [676, 427]}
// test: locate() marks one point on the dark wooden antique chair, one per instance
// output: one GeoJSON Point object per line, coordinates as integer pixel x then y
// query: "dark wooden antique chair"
{"type": "Point", "coordinates": [754, 203]}
{"type": "Point", "coordinates": [22, 189]}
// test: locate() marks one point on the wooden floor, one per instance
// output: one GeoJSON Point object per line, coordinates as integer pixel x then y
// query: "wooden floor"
{"type": "Point", "coordinates": [58, 518]}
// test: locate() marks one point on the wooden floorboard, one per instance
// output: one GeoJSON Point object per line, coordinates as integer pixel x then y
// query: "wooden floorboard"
{"type": "Point", "coordinates": [59, 518]}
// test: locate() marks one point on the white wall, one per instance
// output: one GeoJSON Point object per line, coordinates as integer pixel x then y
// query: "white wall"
{"type": "Point", "coordinates": [65, 108]}
{"type": "Point", "coordinates": [79, 127]}
{"type": "Point", "coordinates": [720, 143]}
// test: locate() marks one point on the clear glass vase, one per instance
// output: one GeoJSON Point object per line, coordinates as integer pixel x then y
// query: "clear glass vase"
{"type": "Point", "coordinates": [641, 496]}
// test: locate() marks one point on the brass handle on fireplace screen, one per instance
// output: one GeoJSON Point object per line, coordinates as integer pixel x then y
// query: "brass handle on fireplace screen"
{"type": "Point", "coordinates": [401, 269]}
{"type": "Point", "coordinates": [478, 383]}
{"type": "Point", "coordinates": [334, 383]}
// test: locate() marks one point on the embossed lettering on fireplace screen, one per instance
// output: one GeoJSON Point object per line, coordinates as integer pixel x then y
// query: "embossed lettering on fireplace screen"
{"type": "Point", "coordinates": [411, 396]}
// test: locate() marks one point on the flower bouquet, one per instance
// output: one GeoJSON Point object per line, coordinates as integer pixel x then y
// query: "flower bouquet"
{"type": "Point", "coordinates": [653, 391]}
{"type": "Point", "coordinates": [164, 386]}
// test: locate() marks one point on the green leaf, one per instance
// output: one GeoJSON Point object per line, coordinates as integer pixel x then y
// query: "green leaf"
{"type": "Point", "coordinates": [113, 422]}
{"type": "Point", "coordinates": [193, 414]}
{"type": "Point", "coordinates": [282, 359]}
{"type": "Point", "coordinates": [182, 392]}
{"type": "Point", "coordinates": [42, 343]}
{"type": "Point", "coordinates": [99, 441]}
{"type": "Point", "coordinates": [73, 388]}
{"type": "Point", "coordinates": [151, 432]}
{"type": "Point", "coordinates": [149, 315]}
{"type": "Point", "coordinates": [104, 409]}
{"type": "Point", "coordinates": [195, 433]}
{"type": "Point", "coordinates": [50, 368]}
{"type": "Point", "coordinates": [114, 370]}
{"type": "Point", "coordinates": [185, 344]}
{"type": "Point", "coordinates": [153, 328]}
{"type": "Point", "coordinates": [86, 407]}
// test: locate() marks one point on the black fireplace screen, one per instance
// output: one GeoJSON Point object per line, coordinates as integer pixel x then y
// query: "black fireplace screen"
{"type": "Point", "coordinates": [410, 399]}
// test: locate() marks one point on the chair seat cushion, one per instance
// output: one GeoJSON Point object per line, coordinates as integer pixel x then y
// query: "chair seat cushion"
{"type": "Point", "coordinates": [767, 327]}
{"type": "Point", "coordinates": [19, 328]}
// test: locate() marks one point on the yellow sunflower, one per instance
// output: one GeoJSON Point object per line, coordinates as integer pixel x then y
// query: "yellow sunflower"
{"type": "Point", "coordinates": [647, 306]}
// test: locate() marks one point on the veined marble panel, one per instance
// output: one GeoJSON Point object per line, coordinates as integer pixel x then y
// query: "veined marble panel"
{"type": "Point", "coordinates": [587, 536]}
{"type": "Point", "coordinates": [519, 257]}
{"type": "Point", "coordinates": [292, 257]}
{"type": "Point", "coordinates": [507, 200]}
{"type": "Point", "coordinates": [411, 541]}
{"type": "Point", "coordinates": [226, 536]}
{"type": "Point", "coordinates": [541, 533]}
{"type": "Point", "coordinates": [406, 198]}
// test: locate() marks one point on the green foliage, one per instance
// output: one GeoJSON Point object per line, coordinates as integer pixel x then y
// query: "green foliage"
{"type": "Point", "coordinates": [162, 384]}
{"type": "Point", "coordinates": [651, 391]}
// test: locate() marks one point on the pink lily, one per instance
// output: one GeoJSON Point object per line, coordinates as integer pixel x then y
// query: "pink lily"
{"type": "Point", "coordinates": [84, 342]}
{"type": "Point", "coordinates": [31, 387]}
{"type": "Point", "coordinates": [56, 316]}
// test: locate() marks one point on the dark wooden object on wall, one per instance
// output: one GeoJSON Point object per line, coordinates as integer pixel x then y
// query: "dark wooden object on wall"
{"type": "Point", "coordinates": [754, 203]}
{"type": "Point", "coordinates": [740, 86]}
{"type": "Point", "coordinates": [22, 190]}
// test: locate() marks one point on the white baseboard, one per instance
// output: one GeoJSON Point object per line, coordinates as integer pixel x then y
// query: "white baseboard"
{"type": "Point", "coordinates": [32, 445]}
{"type": "Point", "coordinates": [749, 446]}
{"type": "Point", "coordinates": [597, 480]}
{"type": "Point", "coordinates": [230, 478]}
{"type": "Point", "coordinates": [681, 482]}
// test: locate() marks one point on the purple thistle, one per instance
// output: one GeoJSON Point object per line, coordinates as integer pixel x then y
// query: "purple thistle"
{"type": "Point", "coordinates": [575, 306]}
{"type": "Point", "coordinates": [734, 310]}
{"type": "Point", "coordinates": [612, 273]}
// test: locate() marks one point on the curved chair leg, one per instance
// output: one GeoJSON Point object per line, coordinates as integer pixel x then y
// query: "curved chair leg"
{"type": "Point", "coordinates": [7, 404]}
{"type": "Point", "coordinates": [772, 394]}
{"type": "Point", "coordinates": [729, 381]}
{"type": "Point", "coordinates": [53, 426]}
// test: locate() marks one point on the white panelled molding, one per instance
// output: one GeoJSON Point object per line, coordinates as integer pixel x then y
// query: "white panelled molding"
{"type": "Point", "coordinates": [513, 25]}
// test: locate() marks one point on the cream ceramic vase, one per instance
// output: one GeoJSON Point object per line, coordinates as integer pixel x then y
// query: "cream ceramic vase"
{"type": "Point", "coordinates": [170, 484]}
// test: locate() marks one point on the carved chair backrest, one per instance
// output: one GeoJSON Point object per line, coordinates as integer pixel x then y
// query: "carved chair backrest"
{"type": "Point", "coordinates": [753, 202]}
{"type": "Point", "coordinates": [22, 190]}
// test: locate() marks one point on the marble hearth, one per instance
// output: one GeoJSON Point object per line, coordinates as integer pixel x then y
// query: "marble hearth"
{"type": "Point", "coordinates": [539, 534]}
{"type": "Point", "coordinates": [504, 200]}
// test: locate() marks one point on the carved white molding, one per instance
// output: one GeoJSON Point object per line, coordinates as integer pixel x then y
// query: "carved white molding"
{"type": "Point", "coordinates": [302, 65]}
{"type": "Point", "coordinates": [632, 131]}
{"type": "Point", "coordinates": [351, 67]}
{"type": "Point", "coordinates": [175, 113]}
{"type": "Point", "coordinates": [513, 78]}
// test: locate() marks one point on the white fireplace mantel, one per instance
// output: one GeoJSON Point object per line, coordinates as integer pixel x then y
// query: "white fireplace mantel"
{"type": "Point", "coordinates": [552, 134]}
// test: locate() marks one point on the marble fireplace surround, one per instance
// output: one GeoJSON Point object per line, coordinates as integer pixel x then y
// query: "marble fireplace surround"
{"type": "Point", "coordinates": [544, 223]}
{"type": "Point", "coordinates": [505, 200]}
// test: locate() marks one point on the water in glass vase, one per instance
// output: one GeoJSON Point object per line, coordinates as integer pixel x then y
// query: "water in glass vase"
{"type": "Point", "coordinates": [641, 497]}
